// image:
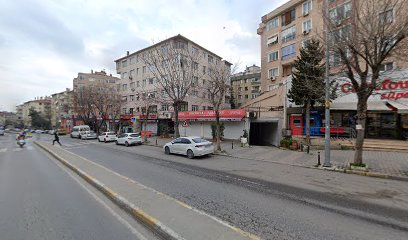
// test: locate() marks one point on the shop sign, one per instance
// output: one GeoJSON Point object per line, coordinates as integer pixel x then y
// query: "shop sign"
{"type": "Point", "coordinates": [389, 89]}
{"type": "Point", "coordinates": [233, 114]}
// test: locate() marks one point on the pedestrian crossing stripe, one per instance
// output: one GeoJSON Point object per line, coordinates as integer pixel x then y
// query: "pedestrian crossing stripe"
{"type": "Point", "coordinates": [3, 150]}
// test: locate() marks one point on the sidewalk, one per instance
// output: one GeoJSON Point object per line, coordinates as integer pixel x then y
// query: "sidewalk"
{"type": "Point", "coordinates": [394, 164]}
{"type": "Point", "coordinates": [168, 217]}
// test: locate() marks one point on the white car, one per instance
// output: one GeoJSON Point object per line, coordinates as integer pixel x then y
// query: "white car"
{"type": "Point", "coordinates": [190, 146]}
{"type": "Point", "coordinates": [89, 135]}
{"type": "Point", "coordinates": [107, 137]}
{"type": "Point", "coordinates": [129, 139]}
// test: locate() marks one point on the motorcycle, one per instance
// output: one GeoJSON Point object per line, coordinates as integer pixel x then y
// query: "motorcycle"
{"type": "Point", "coordinates": [21, 142]}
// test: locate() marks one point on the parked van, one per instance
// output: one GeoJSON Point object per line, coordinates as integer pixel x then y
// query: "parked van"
{"type": "Point", "coordinates": [80, 130]}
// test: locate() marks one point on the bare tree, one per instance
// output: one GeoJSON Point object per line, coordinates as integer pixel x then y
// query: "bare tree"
{"type": "Point", "coordinates": [97, 101]}
{"type": "Point", "coordinates": [175, 66]}
{"type": "Point", "coordinates": [217, 86]}
{"type": "Point", "coordinates": [147, 100]}
{"type": "Point", "coordinates": [364, 35]}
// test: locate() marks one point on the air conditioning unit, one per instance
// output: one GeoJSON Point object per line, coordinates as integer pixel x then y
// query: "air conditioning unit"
{"type": "Point", "coordinates": [306, 32]}
{"type": "Point", "coordinates": [130, 77]}
{"type": "Point", "coordinates": [273, 78]}
{"type": "Point", "coordinates": [305, 14]}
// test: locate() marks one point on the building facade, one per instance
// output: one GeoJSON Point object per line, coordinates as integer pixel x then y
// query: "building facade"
{"type": "Point", "coordinates": [41, 104]}
{"type": "Point", "coordinates": [62, 109]}
{"type": "Point", "coordinates": [137, 80]}
{"type": "Point", "coordinates": [246, 85]}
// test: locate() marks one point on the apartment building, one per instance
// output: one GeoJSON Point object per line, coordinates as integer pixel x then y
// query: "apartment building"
{"type": "Point", "coordinates": [40, 104]}
{"type": "Point", "coordinates": [246, 85]}
{"type": "Point", "coordinates": [136, 80]}
{"type": "Point", "coordinates": [62, 109]}
{"type": "Point", "coordinates": [283, 32]}
{"type": "Point", "coordinates": [95, 77]}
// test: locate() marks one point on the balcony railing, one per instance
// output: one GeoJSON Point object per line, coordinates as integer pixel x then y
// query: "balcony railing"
{"type": "Point", "coordinates": [288, 37]}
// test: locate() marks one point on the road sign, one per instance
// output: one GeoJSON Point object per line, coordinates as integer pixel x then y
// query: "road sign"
{"type": "Point", "coordinates": [133, 119]}
{"type": "Point", "coordinates": [185, 124]}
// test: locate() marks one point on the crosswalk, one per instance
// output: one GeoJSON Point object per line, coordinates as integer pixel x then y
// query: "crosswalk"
{"type": "Point", "coordinates": [75, 144]}
{"type": "Point", "coordinates": [16, 149]}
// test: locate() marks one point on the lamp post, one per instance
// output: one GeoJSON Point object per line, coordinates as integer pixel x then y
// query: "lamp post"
{"type": "Point", "coordinates": [327, 96]}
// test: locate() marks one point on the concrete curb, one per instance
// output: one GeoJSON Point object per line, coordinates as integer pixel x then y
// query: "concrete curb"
{"type": "Point", "coordinates": [149, 221]}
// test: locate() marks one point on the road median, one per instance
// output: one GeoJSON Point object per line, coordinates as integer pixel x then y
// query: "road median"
{"type": "Point", "coordinates": [165, 216]}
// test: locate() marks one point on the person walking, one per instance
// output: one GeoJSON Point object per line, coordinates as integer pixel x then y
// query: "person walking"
{"type": "Point", "coordinates": [56, 138]}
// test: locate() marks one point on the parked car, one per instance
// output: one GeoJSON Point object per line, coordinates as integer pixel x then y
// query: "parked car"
{"type": "Point", "coordinates": [62, 131]}
{"type": "Point", "coordinates": [189, 146]}
{"type": "Point", "coordinates": [78, 131]}
{"type": "Point", "coordinates": [2, 131]}
{"type": "Point", "coordinates": [107, 137]}
{"type": "Point", "coordinates": [39, 131]}
{"type": "Point", "coordinates": [51, 132]}
{"type": "Point", "coordinates": [129, 139]}
{"type": "Point", "coordinates": [89, 135]}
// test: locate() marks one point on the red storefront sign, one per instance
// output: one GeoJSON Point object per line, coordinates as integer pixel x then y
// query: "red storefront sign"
{"type": "Point", "coordinates": [387, 87]}
{"type": "Point", "coordinates": [126, 117]}
{"type": "Point", "coordinates": [209, 115]}
{"type": "Point", "coordinates": [151, 117]}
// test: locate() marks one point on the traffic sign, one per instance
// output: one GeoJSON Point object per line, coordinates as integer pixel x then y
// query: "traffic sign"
{"type": "Point", "coordinates": [133, 119]}
{"type": "Point", "coordinates": [185, 124]}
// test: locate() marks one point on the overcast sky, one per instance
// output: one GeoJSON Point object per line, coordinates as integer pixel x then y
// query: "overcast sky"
{"type": "Point", "coordinates": [45, 43]}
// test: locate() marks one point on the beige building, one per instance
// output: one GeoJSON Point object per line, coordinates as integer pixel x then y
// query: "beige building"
{"type": "Point", "coordinates": [246, 85]}
{"type": "Point", "coordinates": [40, 104]}
{"type": "Point", "coordinates": [95, 77]}
{"type": "Point", "coordinates": [62, 108]}
{"type": "Point", "coordinates": [136, 80]}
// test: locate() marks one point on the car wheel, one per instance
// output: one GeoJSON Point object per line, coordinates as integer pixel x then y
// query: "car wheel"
{"type": "Point", "coordinates": [80, 137]}
{"type": "Point", "coordinates": [126, 144]}
{"type": "Point", "coordinates": [71, 136]}
{"type": "Point", "coordinates": [167, 150]}
{"type": "Point", "coordinates": [117, 143]}
{"type": "Point", "coordinates": [190, 154]}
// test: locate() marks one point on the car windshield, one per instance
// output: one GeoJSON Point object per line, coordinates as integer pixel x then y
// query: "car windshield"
{"type": "Point", "coordinates": [111, 133]}
{"type": "Point", "coordinates": [199, 140]}
{"type": "Point", "coordinates": [134, 135]}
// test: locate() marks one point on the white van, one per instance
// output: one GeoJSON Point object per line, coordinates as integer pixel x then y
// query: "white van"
{"type": "Point", "coordinates": [80, 130]}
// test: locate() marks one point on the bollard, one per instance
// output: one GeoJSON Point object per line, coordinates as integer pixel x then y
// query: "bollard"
{"type": "Point", "coordinates": [318, 158]}
{"type": "Point", "coordinates": [156, 141]}
{"type": "Point", "coordinates": [232, 144]}
{"type": "Point", "coordinates": [308, 149]}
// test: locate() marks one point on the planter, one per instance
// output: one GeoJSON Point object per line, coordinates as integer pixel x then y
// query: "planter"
{"type": "Point", "coordinates": [359, 168]}
{"type": "Point", "coordinates": [244, 140]}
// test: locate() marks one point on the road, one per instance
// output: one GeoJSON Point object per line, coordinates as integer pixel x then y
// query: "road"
{"type": "Point", "coordinates": [39, 199]}
{"type": "Point", "coordinates": [269, 210]}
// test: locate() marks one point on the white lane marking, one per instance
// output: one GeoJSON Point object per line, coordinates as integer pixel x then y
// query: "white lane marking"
{"type": "Point", "coordinates": [30, 148]}
{"type": "Point", "coordinates": [117, 216]}
{"type": "Point", "coordinates": [3, 150]}
{"type": "Point", "coordinates": [17, 149]}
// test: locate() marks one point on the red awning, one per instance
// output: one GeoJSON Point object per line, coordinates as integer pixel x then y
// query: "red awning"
{"type": "Point", "coordinates": [209, 115]}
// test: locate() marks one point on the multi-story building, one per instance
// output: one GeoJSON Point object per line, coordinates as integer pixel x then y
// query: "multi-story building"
{"type": "Point", "coordinates": [99, 81]}
{"type": "Point", "coordinates": [41, 104]}
{"type": "Point", "coordinates": [283, 33]}
{"type": "Point", "coordinates": [8, 118]}
{"type": "Point", "coordinates": [246, 85]}
{"type": "Point", "coordinates": [136, 80]}
{"type": "Point", "coordinates": [62, 109]}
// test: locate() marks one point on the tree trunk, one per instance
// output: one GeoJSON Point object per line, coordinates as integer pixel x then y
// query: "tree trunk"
{"type": "Point", "coordinates": [308, 122]}
{"type": "Point", "coordinates": [217, 130]}
{"type": "Point", "coordinates": [145, 129]}
{"type": "Point", "coordinates": [176, 123]}
{"type": "Point", "coordinates": [361, 120]}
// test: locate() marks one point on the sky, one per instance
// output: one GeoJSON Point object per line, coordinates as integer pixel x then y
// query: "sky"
{"type": "Point", "coordinates": [45, 43]}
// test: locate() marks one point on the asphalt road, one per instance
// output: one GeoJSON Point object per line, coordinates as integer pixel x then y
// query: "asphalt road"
{"type": "Point", "coordinates": [39, 199]}
{"type": "Point", "coordinates": [268, 211]}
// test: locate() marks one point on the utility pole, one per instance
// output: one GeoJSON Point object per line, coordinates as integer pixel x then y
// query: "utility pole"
{"type": "Point", "coordinates": [327, 97]}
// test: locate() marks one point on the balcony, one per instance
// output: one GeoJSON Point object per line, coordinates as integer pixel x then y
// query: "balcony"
{"type": "Point", "coordinates": [288, 37]}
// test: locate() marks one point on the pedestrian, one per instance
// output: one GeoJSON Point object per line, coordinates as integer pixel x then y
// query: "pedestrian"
{"type": "Point", "coordinates": [56, 138]}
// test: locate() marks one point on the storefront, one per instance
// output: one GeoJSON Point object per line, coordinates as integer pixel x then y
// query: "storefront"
{"type": "Point", "coordinates": [198, 123]}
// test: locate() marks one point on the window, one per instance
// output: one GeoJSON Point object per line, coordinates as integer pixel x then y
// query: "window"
{"type": "Point", "coordinates": [387, 16]}
{"type": "Point", "coordinates": [273, 72]}
{"type": "Point", "coordinates": [144, 69]}
{"type": "Point", "coordinates": [144, 82]}
{"type": "Point", "coordinates": [195, 65]}
{"type": "Point", "coordinates": [210, 59]}
{"type": "Point", "coordinates": [288, 34]}
{"type": "Point", "coordinates": [132, 98]}
{"type": "Point", "coordinates": [194, 50]}
{"type": "Point", "coordinates": [183, 107]}
{"type": "Point", "coordinates": [335, 59]}
{"type": "Point", "coordinates": [341, 34]}
{"type": "Point", "coordinates": [131, 110]}
{"type": "Point", "coordinates": [124, 110]}
{"type": "Point", "coordinates": [246, 96]}
{"type": "Point", "coordinates": [273, 56]}
{"type": "Point", "coordinates": [272, 40]}
{"type": "Point", "coordinates": [194, 108]}
{"type": "Point", "coordinates": [131, 74]}
{"type": "Point", "coordinates": [289, 52]}
{"type": "Point", "coordinates": [204, 108]}
{"type": "Point", "coordinates": [165, 107]}
{"type": "Point", "coordinates": [246, 88]}
{"type": "Point", "coordinates": [137, 84]}
{"type": "Point", "coordinates": [307, 7]}
{"type": "Point", "coordinates": [153, 109]}
{"type": "Point", "coordinates": [195, 81]}
{"type": "Point", "coordinates": [132, 60]}
{"type": "Point", "coordinates": [340, 12]}
{"type": "Point", "coordinates": [194, 93]}
{"type": "Point", "coordinates": [180, 45]}
{"type": "Point", "coordinates": [124, 87]}
{"type": "Point", "coordinates": [132, 86]}
{"type": "Point", "coordinates": [124, 63]}
{"type": "Point", "coordinates": [273, 23]}
{"type": "Point", "coordinates": [288, 17]}
{"type": "Point", "coordinates": [386, 67]}
{"type": "Point", "coordinates": [164, 49]}
{"type": "Point", "coordinates": [124, 98]}
{"type": "Point", "coordinates": [151, 80]}
{"type": "Point", "coordinates": [204, 70]}
{"type": "Point", "coordinates": [307, 26]}
{"type": "Point", "coordinates": [210, 108]}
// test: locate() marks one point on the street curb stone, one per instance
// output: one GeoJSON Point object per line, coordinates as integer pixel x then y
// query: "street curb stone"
{"type": "Point", "coordinates": [152, 223]}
